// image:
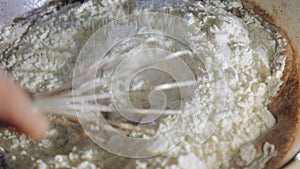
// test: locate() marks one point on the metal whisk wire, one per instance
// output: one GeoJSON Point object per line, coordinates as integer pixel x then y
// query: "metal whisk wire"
{"type": "Point", "coordinates": [66, 100]}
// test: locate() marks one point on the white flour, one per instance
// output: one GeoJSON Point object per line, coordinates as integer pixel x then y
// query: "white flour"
{"type": "Point", "coordinates": [241, 46]}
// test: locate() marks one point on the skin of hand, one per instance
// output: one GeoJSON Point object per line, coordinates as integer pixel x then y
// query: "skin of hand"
{"type": "Point", "coordinates": [16, 110]}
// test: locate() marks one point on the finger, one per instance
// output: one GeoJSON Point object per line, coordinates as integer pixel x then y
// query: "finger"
{"type": "Point", "coordinates": [16, 110]}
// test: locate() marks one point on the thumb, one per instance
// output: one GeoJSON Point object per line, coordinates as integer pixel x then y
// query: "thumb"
{"type": "Point", "coordinates": [16, 110]}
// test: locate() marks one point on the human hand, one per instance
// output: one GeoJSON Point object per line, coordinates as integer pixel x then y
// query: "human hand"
{"type": "Point", "coordinates": [16, 109]}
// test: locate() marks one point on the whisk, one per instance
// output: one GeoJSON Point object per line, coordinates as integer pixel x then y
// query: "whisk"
{"type": "Point", "coordinates": [130, 74]}
{"type": "Point", "coordinates": [66, 100]}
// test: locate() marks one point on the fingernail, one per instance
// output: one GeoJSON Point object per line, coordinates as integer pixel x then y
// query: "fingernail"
{"type": "Point", "coordinates": [40, 127]}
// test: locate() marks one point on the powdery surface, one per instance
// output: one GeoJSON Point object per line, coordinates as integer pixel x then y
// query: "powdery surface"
{"type": "Point", "coordinates": [246, 51]}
